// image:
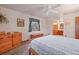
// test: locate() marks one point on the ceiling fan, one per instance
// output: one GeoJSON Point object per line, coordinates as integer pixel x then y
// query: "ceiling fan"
{"type": "Point", "coordinates": [50, 9]}
{"type": "Point", "coordinates": [51, 12]}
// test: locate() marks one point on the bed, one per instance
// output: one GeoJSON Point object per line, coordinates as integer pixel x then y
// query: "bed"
{"type": "Point", "coordinates": [54, 45]}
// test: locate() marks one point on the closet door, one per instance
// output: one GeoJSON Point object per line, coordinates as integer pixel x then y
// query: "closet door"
{"type": "Point", "coordinates": [77, 28]}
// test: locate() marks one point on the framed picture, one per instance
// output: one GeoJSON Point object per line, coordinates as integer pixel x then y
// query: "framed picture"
{"type": "Point", "coordinates": [20, 22]}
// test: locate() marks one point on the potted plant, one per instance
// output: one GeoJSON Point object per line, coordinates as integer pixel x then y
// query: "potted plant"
{"type": "Point", "coordinates": [3, 19]}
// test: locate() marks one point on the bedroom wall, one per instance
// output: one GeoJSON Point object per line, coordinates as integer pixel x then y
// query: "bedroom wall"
{"type": "Point", "coordinates": [69, 24]}
{"type": "Point", "coordinates": [12, 16]}
{"type": "Point", "coordinates": [49, 25]}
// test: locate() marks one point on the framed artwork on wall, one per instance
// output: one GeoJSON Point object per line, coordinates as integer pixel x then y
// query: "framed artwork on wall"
{"type": "Point", "coordinates": [20, 22]}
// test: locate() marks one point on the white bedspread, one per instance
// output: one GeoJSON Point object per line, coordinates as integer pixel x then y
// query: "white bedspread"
{"type": "Point", "coordinates": [55, 45]}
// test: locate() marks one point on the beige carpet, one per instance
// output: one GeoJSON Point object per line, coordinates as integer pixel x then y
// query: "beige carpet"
{"type": "Point", "coordinates": [20, 50]}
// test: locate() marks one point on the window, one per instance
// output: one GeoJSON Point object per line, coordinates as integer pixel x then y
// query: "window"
{"type": "Point", "coordinates": [34, 24]}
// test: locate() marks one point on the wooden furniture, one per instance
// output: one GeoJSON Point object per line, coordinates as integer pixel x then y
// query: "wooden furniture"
{"type": "Point", "coordinates": [17, 39]}
{"type": "Point", "coordinates": [56, 31]}
{"type": "Point", "coordinates": [32, 52]}
{"type": "Point", "coordinates": [60, 32]}
{"type": "Point", "coordinates": [36, 34]}
{"type": "Point", "coordinates": [5, 42]}
{"type": "Point", "coordinates": [77, 27]}
{"type": "Point", "coordinates": [32, 36]}
{"type": "Point", "coordinates": [9, 40]}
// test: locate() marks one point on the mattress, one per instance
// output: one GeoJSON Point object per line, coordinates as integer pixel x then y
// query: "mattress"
{"type": "Point", "coordinates": [55, 45]}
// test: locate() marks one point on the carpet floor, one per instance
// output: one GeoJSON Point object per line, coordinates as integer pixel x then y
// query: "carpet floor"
{"type": "Point", "coordinates": [20, 50]}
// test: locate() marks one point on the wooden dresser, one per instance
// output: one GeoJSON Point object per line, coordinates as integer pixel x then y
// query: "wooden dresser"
{"type": "Point", "coordinates": [59, 32]}
{"type": "Point", "coordinates": [17, 39]}
{"type": "Point", "coordinates": [5, 42]}
{"type": "Point", "coordinates": [56, 31]}
{"type": "Point", "coordinates": [9, 40]}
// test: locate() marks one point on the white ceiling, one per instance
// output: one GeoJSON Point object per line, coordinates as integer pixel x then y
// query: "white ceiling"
{"type": "Point", "coordinates": [43, 10]}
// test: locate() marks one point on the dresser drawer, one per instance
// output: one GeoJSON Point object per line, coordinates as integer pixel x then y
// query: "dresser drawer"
{"type": "Point", "coordinates": [5, 46]}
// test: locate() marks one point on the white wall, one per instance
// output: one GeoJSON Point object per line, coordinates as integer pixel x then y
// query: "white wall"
{"type": "Point", "coordinates": [49, 25]}
{"type": "Point", "coordinates": [12, 16]}
{"type": "Point", "coordinates": [69, 24]}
